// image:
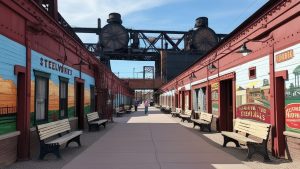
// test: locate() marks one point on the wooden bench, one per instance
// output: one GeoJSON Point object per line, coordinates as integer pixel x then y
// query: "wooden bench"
{"type": "Point", "coordinates": [120, 111]}
{"type": "Point", "coordinates": [157, 106]}
{"type": "Point", "coordinates": [176, 112]}
{"type": "Point", "coordinates": [162, 108]}
{"type": "Point", "coordinates": [204, 121]}
{"type": "Point", "coordinates": [168, 109]}
{"type": "Point", "coordinates": [186, 116]}
{"type": "Point", "coordinates": [93, 119]}
{"type": "Point", "coordinates": [60, 128]}
{"type": "Point", "coordinates": [127, 108]}
{"type": "Point", "coordinates": [245, 128]}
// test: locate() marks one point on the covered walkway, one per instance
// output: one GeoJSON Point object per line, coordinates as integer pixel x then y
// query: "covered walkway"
{"type": "Point", "coordinates": [153, 141]}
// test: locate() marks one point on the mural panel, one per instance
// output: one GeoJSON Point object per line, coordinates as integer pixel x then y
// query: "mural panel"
{"type": "Point", "coordinates": [11, 54]}
{"type": "Point", "coordinates": [289, 59]}
{"type": "Point", "coordinates": [56, 69]}
{"type": "Point", "coordinates": [215, 98]}
{"type": "Point", "coordinates": [253, 95]}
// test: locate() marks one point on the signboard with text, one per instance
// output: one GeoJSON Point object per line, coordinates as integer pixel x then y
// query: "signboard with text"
{"type": "Point", "coordinates": [254, 112]}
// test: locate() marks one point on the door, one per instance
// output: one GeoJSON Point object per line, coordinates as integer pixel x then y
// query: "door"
{"type": "Point", "coordinates": [226, 106]}
{"type": "Point", "coordinates": [280, 115]}
{"type": "Point", "coordinates": [80, 104]}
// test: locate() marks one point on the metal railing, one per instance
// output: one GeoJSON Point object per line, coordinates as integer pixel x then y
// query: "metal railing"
{"type": "Point", "coordinates": [8, 110]}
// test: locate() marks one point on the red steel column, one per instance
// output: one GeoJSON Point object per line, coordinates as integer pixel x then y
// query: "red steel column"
{"type": "Point", "coordinates": [272, 103]}
{"type": "Point", "coordinates": [24, 138]}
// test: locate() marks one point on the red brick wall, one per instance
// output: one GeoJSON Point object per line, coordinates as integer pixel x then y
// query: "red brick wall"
{"type": "Point", "coordinates": [8, 153]}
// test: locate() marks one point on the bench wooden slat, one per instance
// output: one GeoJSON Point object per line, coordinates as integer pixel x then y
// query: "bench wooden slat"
{"type": "Point", "coordinates": [53, 128]}
{"type": "Point", "coordinates": [99, 121]}
{"type": "Point", "coordinates": [52, 132]}
{"type": "Point", "coordinates": [92, 116]}
{"type": "Point", "coordinates": [206, 116]}
{"type": "Point", "coordinates": [65, 138]}
{"type": "Point", "coordinates": [239, 137]}
{"type": "Point", "coordinates": [260, 130]}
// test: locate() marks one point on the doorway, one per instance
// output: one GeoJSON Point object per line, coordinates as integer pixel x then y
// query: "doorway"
{"type": "Point", "coordinates": [80, 104]}
{"type": "Point", "coordinates": [22, 117]}
{"type": "Point", "coordinates": [226, 105]}
{"type": "Point", "coordinates": [280, 115]}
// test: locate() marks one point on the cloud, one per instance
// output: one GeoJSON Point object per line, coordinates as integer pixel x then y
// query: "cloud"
{"type": "Point", "coordinates": [85, 13]}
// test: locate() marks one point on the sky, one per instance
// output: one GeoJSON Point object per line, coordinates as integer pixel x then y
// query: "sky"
{"type": "Point", "coordinates": [223, 17]}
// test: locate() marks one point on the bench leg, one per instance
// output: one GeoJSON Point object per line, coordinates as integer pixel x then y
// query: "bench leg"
{"type": "Point", "coordinates": [207, 126]}
{"type": "Point", "coordinates": [228, 139]}
{"type": "Point", "coordinates": [104, 125]}
{"type": "Point", "coordinates": [49, 148]}
{"type": "Point", "coordinates": [75, 139]}
{"type": "Point", "coordinates": [260, 149]}
{"type": "Point", "coordinates": [194, 125]}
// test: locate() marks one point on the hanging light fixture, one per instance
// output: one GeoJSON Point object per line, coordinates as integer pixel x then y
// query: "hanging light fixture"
{"type": "Point", "coordinates": [244, 50]}
{"type": "Point", "coordinates": [192, 76]}
{"type": "Point", "coordinates": [211, 66]}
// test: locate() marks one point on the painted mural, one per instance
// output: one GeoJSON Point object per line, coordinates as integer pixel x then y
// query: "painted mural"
{"type": "Point", "coordinates": [253, 94]}
{"type": "Point", "coordinates": [215, 98]}
{"type": "Point", "coordinates": [11, 53]}
{"type": "Point", "coordinates": [57, 69]}
{"type": "Point", "coordinates": [289, 59]}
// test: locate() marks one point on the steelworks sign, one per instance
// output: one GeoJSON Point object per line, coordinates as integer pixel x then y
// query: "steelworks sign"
{"type": "Point", "coordinates": [55, 66]}
{"type": "Point", "coordinates": [253, 111]}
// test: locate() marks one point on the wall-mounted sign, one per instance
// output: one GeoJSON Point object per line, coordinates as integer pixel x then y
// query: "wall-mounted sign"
{"type": "Point", "coordinates": [253, 111]}
{"type": "Point", "coordinates": [284, 56]}
{"type": "Point", "coordinates": [215, 86]}
{"type": "Point", "coordinates": [292, 116]}
{"type": "Point", "coordinates": [215, 98]}
{"type": "Point", "coordinates": [55, 66]}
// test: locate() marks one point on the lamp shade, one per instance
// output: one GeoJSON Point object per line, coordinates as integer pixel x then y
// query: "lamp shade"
{"type": "Point", "coordinates": [211, 66]}
{"type": "Point", "coordinates": [244, 50]}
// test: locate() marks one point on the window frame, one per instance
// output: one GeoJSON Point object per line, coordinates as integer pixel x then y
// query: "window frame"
{"type": "Point", "coordinates": [252, 76]}
{"type": "Point", "coordinates": [63, 80]}
{"type": "Point", "coordinates": [37, 75]}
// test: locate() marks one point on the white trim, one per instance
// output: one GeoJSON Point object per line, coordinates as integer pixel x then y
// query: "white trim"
{"type": "Point", "coordinates": [187, 87]}
{"type": "Point", "coordinates": [9, 135]}
{"type": "Point", "coordinates": [212, 77]}
{"type": "Point", "coordinates": [199, 81]}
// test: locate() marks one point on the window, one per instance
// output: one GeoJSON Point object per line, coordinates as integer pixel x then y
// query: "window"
{"type": "Point", "coordinates": [41, 96]}
{"type": "Point", "coordinates": [92, 95]}
{"type": "Point", "coordinates": [63, 97]}
{"type": "Point", "coordinates": [252, 73]}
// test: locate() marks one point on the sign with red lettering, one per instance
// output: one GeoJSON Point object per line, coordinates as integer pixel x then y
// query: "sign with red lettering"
{"type": "Point", "coordinates": [253, 111]}
{"type": "Point", "coordinates": [284, 56]}
{"type": "Point", "coordinates": [292, 115]}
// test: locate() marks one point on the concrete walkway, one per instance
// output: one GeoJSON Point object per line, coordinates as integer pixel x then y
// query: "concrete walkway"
{"type": "Point", "coordinates": [153, 141]}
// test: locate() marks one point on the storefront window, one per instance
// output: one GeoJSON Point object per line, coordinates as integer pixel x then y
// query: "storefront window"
{"type": "Point", "coordinates": [41, 96]}
{"type": "Point", "coordinates": [63, 97]}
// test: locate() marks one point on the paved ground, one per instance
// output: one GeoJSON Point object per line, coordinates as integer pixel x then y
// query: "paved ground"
{"type": "Point", "coordinates": [153, 141]}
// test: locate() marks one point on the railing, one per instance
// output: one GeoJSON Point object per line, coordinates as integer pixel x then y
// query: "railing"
{"type": "Point", "coordinates": [6, 111]}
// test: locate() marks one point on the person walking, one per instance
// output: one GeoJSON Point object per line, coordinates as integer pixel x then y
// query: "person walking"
{"type": "Point", "coordinates": [136, 103]}
{"type": "Point", "coordinates": [146, 104]}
